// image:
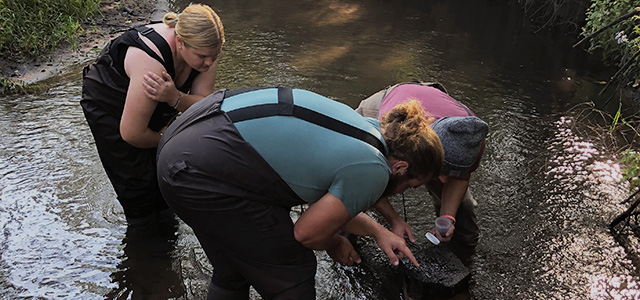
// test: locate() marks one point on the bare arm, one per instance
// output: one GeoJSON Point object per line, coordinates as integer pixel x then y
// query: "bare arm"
{"type": "Point", "coordinates": [318, 224]}
{"type": "Point", "coordinates": [138, 108]}
{"type": "Point", "coordinates": [204, 83]}
{"type": "Point", "coordinates": [453, 191]}
{"type": "Point", "coordinates": [160, 87]}
{"type": "Point", "coordinates": [318, 227]}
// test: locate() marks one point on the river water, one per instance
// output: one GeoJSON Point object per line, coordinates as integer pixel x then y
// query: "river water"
{"type": "Point", "coordinates": [546, 190]}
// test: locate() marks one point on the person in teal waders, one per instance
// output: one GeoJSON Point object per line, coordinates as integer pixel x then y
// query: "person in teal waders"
{"type": "Point", "coordinates": [140, 81]}
{"type": "Point", "coordinates": [233, 165]}
{"type": "Point", "coordinates": [462, 135]}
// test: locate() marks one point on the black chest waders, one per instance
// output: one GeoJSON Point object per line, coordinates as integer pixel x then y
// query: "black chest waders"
{"type": "Point", "coordinates": [131, 170]}
{"type": "Point", "coordinates": [270, 188]}
{"type": "Point", "coordinates": [236, 204]}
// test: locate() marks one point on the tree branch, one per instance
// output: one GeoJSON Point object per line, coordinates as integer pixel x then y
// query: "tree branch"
{"type": "Point", "coordinates": [622, 68]}
{"type": "Point", "coordinates": [628, 212]}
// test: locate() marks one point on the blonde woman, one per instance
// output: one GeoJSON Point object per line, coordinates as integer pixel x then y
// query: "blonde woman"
{"type": "Point", "coordinates": [136, 86]}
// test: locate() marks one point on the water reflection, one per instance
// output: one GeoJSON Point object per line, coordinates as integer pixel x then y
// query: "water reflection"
{"type": "Point", "coordinates": [578, 163]}
{"type": "Point", "coordinates": [582, 188]}
{"type": "Point", "coordinates": [52, 245]}
{"type": "Point", "coordinates": [63, 231]}
{"type": "Point", "coordinates": [148, 269]}
{"type": "Point", "coordinates": [545, 192]}
{"type": "Point", "coordinates": [616, 287]}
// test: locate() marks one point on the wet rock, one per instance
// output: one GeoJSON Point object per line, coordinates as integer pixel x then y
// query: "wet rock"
{"type": "Point", "coordinates": [439, 268]}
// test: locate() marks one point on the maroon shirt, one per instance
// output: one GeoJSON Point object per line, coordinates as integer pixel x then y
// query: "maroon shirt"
{"type": "Point", "coordinates": [436, 103]}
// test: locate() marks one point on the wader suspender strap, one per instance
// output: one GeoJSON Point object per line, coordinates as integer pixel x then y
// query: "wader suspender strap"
{"type": "Point", "coordinates": [209, 105]}
{"type": "Point", "coordinates": [162, 45]}
{"type": "Point", "coordinates": [285, 107]}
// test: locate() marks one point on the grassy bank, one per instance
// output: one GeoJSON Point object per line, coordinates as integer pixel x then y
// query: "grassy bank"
{"type": "Point", "coordinates": [35, 27]}
{"type": "Point", "coordinates": [613, 29]}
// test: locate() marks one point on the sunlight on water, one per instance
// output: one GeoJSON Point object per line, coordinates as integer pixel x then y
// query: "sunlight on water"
{"type": "Point", "coordinates": [580, 162]}
{"type": "Point", "coordinates": [545, 192]}
{"type": "Point", "coordinates": [584, 189]}
{"type": "Point", "coordinates": [614, 287]}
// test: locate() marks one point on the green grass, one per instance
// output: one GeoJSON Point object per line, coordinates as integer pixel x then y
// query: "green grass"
{"type": "Point", "coordinates": [29, 28]}
{"type": "Point", "coordinates": [9, 86]}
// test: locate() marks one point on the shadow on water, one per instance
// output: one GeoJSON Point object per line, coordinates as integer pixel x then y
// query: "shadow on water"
{"type": "Point", "coordinates": [545, 192]}
{"type": "Point", "coordinates": [148, 268]}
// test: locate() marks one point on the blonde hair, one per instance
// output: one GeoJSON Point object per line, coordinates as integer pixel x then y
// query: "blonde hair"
{"type": "Point", "coordinates": [198, 25]}
{"type": "Point", "coordinates": [410, 138]}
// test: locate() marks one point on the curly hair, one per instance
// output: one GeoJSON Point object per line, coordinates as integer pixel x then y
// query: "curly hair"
{"type": "Point", "coordinates": [198, 25]}
{"type": "Point", "coordinates": [410, 138]}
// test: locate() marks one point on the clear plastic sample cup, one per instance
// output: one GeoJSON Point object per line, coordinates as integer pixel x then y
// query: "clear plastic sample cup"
{"type": "Point", "coordinates": [442, 225]}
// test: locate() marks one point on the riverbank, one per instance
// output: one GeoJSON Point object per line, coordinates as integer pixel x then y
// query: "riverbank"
{"type": "Point", "coordinates": [115, 17]}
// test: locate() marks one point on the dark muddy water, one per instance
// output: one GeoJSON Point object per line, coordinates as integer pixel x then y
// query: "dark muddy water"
{"type": "Point", "coordinates": [545, 191]}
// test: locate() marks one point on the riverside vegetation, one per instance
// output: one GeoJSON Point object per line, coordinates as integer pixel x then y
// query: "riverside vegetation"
{"type": "Point", "coordinates": [30, 28]}
{"type": "Point", "coordinates": [613, 29]}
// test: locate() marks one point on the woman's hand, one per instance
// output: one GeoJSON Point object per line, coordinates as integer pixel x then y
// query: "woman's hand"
{"type": "Point", "coordinates": [398, 225]}
{"type": "Point", "coordinates": [343, 252]}
{"type": "Point", "coordinates": [395, 247]}
{"type": "Point", "coordinates": [447, 236]}
{"type": "Point", "coordinates": [160, 88]}
{"type": "Point", "coordinates": [402, 229]}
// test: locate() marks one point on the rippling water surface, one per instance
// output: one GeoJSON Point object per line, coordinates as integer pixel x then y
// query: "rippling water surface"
{"type": "Point", "coordinates": [61, 231]}
{"type": "Point", "coordinates": [545, 190]}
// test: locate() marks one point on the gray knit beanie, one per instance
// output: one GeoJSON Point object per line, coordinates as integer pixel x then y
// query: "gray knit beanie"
{"type": "Point", "coordinates": [461, 139]}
